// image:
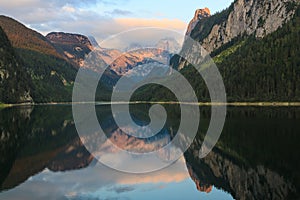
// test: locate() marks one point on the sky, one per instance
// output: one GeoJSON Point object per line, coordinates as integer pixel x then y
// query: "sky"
{"type": "Point", "coordinates": [103, 18]}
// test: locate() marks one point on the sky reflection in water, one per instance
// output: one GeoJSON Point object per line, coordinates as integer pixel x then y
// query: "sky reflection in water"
{"type": "Point", "coordinates": [100, 182]}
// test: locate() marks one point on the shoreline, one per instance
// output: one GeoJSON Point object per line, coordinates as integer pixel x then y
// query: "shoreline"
{"type": "Point", "coordinates": [234, 104]}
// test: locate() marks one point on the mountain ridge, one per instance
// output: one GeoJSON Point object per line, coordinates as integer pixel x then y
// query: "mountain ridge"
{"type": "Point", "coordinates": [73, 46]}
{"type": "Point", "coordinates": [19, 34]}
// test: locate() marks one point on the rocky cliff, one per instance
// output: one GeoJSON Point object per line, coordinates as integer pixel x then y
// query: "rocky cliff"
{"type": "Point", "coordinates": [246, 17]}
{"type": "Point", "coordinates": [73, 46]}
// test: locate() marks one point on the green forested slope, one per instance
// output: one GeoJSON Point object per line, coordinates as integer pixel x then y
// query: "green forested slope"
{"type": "Point", "coordinates": [266, 69]}
{"type": "Point", "coordinates": [51, 75]}
{"type": "Point", "coordinates": [14, 83]}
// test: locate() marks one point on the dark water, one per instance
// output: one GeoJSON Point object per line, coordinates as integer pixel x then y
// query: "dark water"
{"type": "Point", "coordinates": [257, 157]}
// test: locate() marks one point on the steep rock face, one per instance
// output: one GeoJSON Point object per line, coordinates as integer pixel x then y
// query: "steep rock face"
{"type": "Point", "coordinates": [73, 46]}
{"type": "Point", "coordinates": [243, 17]}
{"type": "Point", "coordinates": [248, 17]}
{"type": "Point", "coordinates": [199, 14]}
{"type": "Point", "coordinates": [14, 83]}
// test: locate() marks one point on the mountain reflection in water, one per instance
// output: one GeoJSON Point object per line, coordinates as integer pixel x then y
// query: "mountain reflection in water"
{"type": "Point", "coordinates": [256, 158]}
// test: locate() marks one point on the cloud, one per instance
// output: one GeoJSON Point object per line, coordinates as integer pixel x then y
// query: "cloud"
{"type": "Point", "coordinates": [16, 4]}
{"type": "Point", "coordinates": [83, 17]}
{"type": "Point", "coordinates": [120, 12]}
{"type": "Point", "coordinates": [69, 8]}
{"type": "Point", "coordinates": [162, 23]}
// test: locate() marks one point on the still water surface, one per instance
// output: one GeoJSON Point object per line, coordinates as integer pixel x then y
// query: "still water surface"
{"type": "Point", "coordinates": [257, 157]}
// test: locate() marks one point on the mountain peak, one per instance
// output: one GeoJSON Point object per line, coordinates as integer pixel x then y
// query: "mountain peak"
{"type": "Point", "coordinates": [202, 13]}
{"type": "Point", "coordinates": [199, 14]}
{"type": "Point", "coordinates": [73, 46]}
{"type": "Point", "coordinates": [68, 38]}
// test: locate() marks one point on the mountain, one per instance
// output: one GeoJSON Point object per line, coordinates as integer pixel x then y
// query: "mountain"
{"type": "Point", "coordinates": [255, 46]}
{"type": "Point", "coordinates": [51, 74]}
{"type": "Point", "coordinates": [136, 54]}
{"type": "Point", "coordinates": [248, 17]}
{"type": "Point", "coordinates": [22, 37]}
{"type": "Point", "coordinates": [255, 50]}
{"type": "Point", "coordinates": [73, 46]}
{"type": "Point", "coordinates": [76, 47]}
{"type": "Point", "coordinates": [242, 18]}
{"type": "Point", "coordinates": [126, 61]}
{"type": "Point", "coordinates": [49, 64]}
{"type": "Point", "coordinates": [14, 83]}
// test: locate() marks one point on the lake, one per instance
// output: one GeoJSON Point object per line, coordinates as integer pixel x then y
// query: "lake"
{"type": "Point", "coordinates": [256, 157]}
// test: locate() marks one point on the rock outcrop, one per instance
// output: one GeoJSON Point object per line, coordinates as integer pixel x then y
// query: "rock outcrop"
{"type": "Point", "coordinates": [199, 14]}
{"type": "Point", "coordinates": [73, 46]}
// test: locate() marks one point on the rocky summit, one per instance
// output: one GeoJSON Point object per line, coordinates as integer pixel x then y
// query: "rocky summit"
{"type": "Point", "coordinates": [73, 46]}
{"type": "Point", "coordinates": [199, 14]}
